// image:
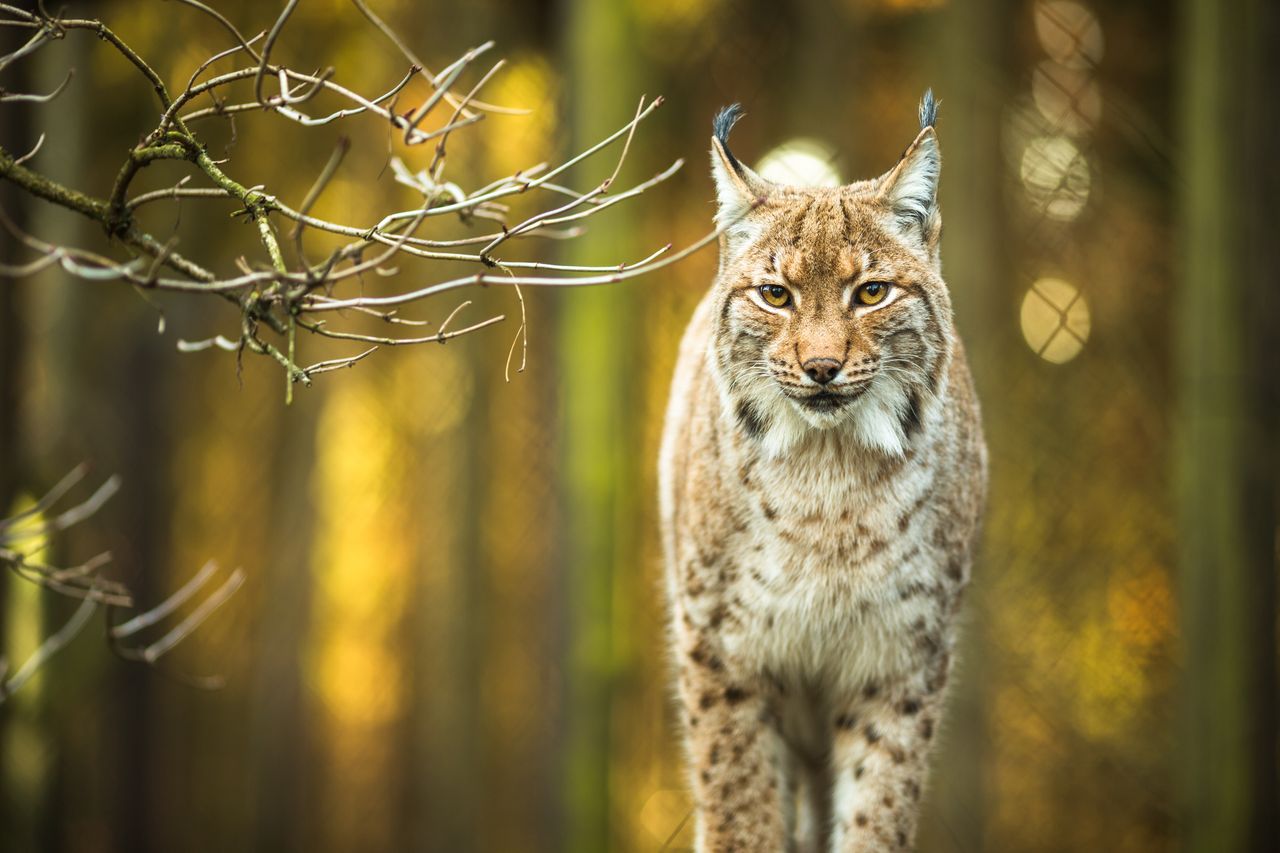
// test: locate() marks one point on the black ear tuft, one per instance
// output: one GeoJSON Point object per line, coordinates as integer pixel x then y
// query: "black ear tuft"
{"type": "Point", "coordinates": [723, 124]}
{"type": "Point", "coordinates": [928, 110]}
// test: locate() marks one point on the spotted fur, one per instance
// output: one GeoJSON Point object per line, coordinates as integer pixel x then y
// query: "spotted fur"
{"type": "Point", "coordinates": [818, 535]}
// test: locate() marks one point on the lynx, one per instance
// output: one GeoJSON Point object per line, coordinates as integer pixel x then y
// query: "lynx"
{"type": "Point", "coordinates": [822, 477]}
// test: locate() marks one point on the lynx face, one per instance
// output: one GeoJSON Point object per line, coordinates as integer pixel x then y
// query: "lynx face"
{"type": "Point", "coordinates": [833, 313]}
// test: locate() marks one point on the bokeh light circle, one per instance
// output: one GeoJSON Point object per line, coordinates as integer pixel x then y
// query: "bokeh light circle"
{"type": "Point", "coordinates": [801, 163]}
{"type": "Point", "coordinates": [1056, 177]}
{"type": "Point", "coordinates": [1068, 98]}
{"type": "Point", "coordinates": [1069, 33]}
{"type": "Point", "coordinates": [1055, 320]}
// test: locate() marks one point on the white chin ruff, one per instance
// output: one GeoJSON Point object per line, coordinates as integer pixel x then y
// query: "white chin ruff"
{"type": "Point", "coordinates": [874, 419]}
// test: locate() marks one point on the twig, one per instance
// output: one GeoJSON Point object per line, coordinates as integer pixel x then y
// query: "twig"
{"type": "Point", "coordinates": [169, 605]}
{"type": "Point", "coordinates": [53, 644]}
{"type": "Point", "coordinates": [23, 533]}
{"type": "Point", "coordinates": [39, 99]}
{"type": "Point", "coordinates": [230, 27]}
{"type": "Point", "coordinates": [51, 497]}
{"type": "Point", "coordinates": [62, 521]}
{"type": "Point", "coordinates": [338, 363]}
{"type": "Point", "coordinates": [431, 78]}
{"type": "Point", "coordinates": [186, 627]}
{"type": "Point", "coordinates": [313, 194]}
{"type": "Point", "coordinates": [266, 49]}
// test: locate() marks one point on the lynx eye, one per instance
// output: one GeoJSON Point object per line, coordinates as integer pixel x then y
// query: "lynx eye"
{"type": "Point", "coordinates": [872, 293]}
{"type": "Point", "coordinates": [775, 295]}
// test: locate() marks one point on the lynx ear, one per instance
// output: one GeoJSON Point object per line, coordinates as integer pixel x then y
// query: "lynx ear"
{"type": "Point", "coordinates": [910, 189]}
{"type": "Point", "coordinates": [738, 189]}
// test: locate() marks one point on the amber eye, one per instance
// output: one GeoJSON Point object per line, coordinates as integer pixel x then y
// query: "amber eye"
{"type": "Point", "coordinates": [871, 293]}
{"type": "Point", "coordinates": [776, 295]}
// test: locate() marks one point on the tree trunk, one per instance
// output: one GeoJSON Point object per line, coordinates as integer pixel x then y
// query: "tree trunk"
{"type": "Point", "coordinates": [973, 39]}
{"type": "Point", "coordinates": [1228, 425]}
{"type": "Point", "coordinates": [596, 345]}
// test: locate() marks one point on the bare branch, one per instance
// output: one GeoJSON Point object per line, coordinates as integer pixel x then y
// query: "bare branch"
{"type": "Point", "coordinates": [266, 49]}
{"type": "Point", "coordinates": [25, 157]}
{"type": "Point", "coordinates": [31, 46]}
{"type": "Point", "coordinates": [75, 475]}
{"type": "Point", "coordinates": [39, 99]}
{"type": "Point", "coordinates": [53, 644]}
{"type": "Point", "coordinates": [175, 192]}
{"type": "Point", "coordinates": [242, 44]}
{"type": "Point", "coordinates": [275, 296]}
{"type": "Point", "coordinates": [313, 194]}
{"type": "Point", "coordinates": [169, 605]}
{"type": "Point", "coordinates": [10, 533]}
{"type": "Point", "coordinates": [218, 341]}
{"type": "Point", "coordinates": [24, 532]}
{"type": "Point", "coordinates": [481, 278]}
{"type": "Point", "coordinates": [431, 78]}
{"type": "Point", "coordinates": [23, 535]}
{"type": "Point", "coordinates": [338, 363]}
{"type": "Point", "coordinates": [219, 597]}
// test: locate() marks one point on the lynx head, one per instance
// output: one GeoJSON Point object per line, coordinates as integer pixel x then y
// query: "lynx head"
{"type": "Point", "coordinates": [832, 312]}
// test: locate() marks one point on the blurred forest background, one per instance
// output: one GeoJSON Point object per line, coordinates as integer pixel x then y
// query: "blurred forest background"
{"type": "Point", "coordinates": [451, 636]}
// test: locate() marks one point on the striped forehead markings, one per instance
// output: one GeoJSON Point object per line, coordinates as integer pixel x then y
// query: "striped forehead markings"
{"type": "Point", "coordinates": [846, 264]}
{"type": "Point", "coordinates": [797, 224]}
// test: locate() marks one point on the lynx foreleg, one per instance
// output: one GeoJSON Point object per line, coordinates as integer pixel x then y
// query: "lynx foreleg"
{"type": "Point", "coordinates": [737, 757]}
{"type": "Point", "coordinates": [880, 753]}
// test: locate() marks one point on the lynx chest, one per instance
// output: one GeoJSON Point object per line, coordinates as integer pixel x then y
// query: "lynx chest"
{"type": "Point", "coordinates": [840, 569]}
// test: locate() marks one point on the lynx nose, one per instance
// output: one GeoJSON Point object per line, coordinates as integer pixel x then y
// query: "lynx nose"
{"type": "Point", "coordinates": [822, 370]}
